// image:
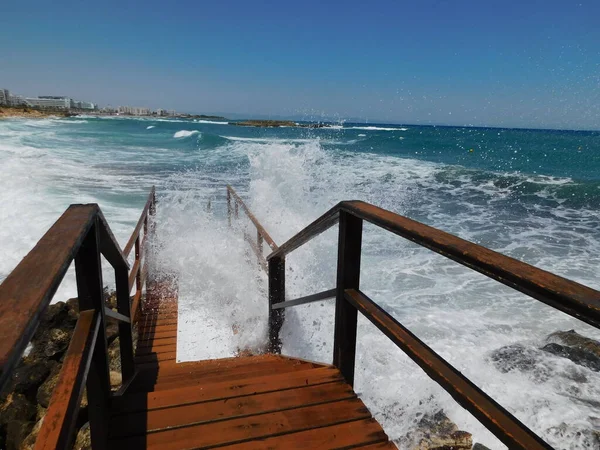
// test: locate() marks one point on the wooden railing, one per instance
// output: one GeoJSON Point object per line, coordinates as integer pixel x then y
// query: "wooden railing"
{"type": "Point", "coordinates": [80, 234]}
{"type": "Point", "coordinates": [572, 298]}
{"type": "Point", "coordinates": [261, 234]}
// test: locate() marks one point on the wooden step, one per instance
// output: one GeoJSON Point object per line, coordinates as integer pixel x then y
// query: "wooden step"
{"type": "Point", "coordinates": [170, 376]}
{"type": "Point", "coordinates": [241, 429]}
{"type": "Point", "coordinates": [226, 409]}
{"type": "Point", "coordinates": [345, 435]}
{"type": "Point", "coordinates": [225, 390]}
{"type": "Point", "coordinates": [172, 348]}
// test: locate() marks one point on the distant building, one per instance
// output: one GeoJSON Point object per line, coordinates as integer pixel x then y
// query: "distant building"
{"type": "Point", "coordinates": [18, 100]}
{"type": "Point", "coordinates": [46, 101]}
{"type": "Point", "coordinates": [171, 113]}
{"type": "Point", "coordinates": [4, 97]}
{"type": "Point", "coordinates": [84, 105]}
{"type": "Point", "coordinates": [133, 111]}
{"type": "Point", "coordinates": [160, 112]}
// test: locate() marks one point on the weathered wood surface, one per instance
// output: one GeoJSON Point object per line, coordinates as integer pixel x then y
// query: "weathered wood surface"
{"type": "Point", "coordinates": [254, 402]}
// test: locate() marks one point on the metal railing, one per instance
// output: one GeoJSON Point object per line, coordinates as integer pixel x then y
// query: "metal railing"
{"type": "Point", "coordinates": [261, 234]}
{"type": "Point", "coordinates": [572, 298]}
{"type": "Point", "coordinates": [81, 234]}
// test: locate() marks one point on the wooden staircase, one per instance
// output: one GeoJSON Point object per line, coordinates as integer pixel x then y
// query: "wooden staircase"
{"type": "Point", "coordinates": [253, 402]}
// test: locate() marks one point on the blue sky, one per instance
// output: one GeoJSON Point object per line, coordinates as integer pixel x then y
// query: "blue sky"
{"type": "Point", "coordinates": [498, 63]}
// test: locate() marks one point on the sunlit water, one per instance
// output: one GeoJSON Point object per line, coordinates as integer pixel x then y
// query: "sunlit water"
{"type": "Point", "coordinates": [533, 195]}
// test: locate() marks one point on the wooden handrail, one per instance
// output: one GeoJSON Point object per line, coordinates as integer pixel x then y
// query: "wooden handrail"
{"type": "Point", "coordinates": [29, 288]}
{"type": "Point", "coordinates": [568, 296]}
{"type": "Point", "coordinates": [468, 395]}
{"type": "Point", "coordinates": [565, 295]}
{"type": "Point", "coordinates": [59, 421]}
{"type": "Point", "coordinates": [136, 232]}
{"type": "Point", "coordinates": [82, 235]}
{"type": "Point", "coordinates": [261, 231]}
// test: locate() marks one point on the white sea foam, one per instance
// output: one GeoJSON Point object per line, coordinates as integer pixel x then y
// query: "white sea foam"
{"type": "Point", "coordinates": [372, 128]}
{"type": "Point", "coordinates": [150, 127]}
{"type": "Point", "coordinates": [267, 140]}
{"type": "Point", "coordinates": [362, 135]}
{"type": "Point", "coordinates": [212, 122]}
{"type": "Point", "coordinates": [185, 133]}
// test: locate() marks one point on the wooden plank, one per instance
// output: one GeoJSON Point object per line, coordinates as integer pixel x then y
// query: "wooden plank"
{"type": "Point", "coordinates": [59, 423]}
{"type": "Point", "coordinates": [172, 348]}
{"type": "Point", "coordinates": [155, 380]}
{"type": "Point", "coordinates": [152, 334]}
{"type": "Point", "coordinates": [144, 329]}
{"type": "Point", "coordinates": [154, 357]}
{"type": "Point", "coordinates": [240, 430]}
{"type": "Point", "coordinates": [227, 409]}
{"type": "Point", "coordinates": [150, 345]}
{"type": "Point", "coordinates": [345, 435]}
{"type": "Point", "coordinates": [381, 446]}
{"type": "Point", "coordinates": [223, 390]}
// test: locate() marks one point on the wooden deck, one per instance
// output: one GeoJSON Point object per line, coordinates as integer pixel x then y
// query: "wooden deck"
{"type": "Point", "coordinates": [255, 402]}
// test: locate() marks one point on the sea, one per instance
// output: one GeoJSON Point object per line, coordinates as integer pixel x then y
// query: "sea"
{"type": "Point", "coordinates": [531, 194]}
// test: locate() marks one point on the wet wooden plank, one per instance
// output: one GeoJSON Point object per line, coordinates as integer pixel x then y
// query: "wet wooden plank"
{"type": "Point", "coordinates": [226, 409]}
{"type": "Point", "coordinates": [151, 345]}
{"type": "Point", "coordinates": [242, 429]}
{"type": "Point", "coordinates": [381, 446]}
{"type": "Point", "coordinates": [346, 435]}
{"type": "Point", "coordinates": [155, 380]}
{"type": "Point", "coordinates": [223, 390]}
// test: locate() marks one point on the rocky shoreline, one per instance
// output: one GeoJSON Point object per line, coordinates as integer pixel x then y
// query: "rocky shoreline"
{"type": "Point", "coordinates": [8, 112]}
{"type": "Point", "coordinates": [277, 124]}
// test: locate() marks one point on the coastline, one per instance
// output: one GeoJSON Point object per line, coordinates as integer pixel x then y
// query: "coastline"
{"type": "Point", "coordinates": [8, 112]}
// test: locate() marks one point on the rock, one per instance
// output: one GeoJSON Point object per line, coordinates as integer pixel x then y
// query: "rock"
{"type": "Point", "coordinates": [265, 123]}
{"type": "Point", "coordinates": [16, 432]}
{"type": "Point", "coordinates": [53, 342]}
{"type": "Point", "coordinates": [112, 330]}
{"type": "Point", "coordinates": [16, 407]}
{"type": "Point", "coordinates": [114, 355]}
{"type": "Point", "coordinates": [438, 432]}
{"type": "Point", "coordinates": [513, 357]}
{"type": "Point", "coordinates": [116, 379]}
{"type": "Point", "coordinates": [29, 441]}
{"type": "Point", "coordinates": [83, 441]}
{"type": "Point", "coordinates": [479, 446]}
{"type": "Point", "coordinates": [73, 305]}
{"type": "Point", "coordinates": [572, 345]}
{"type": "Point", "coordinates": [44, 392]}
{"type": "Point", "coordinates": [30, 374]}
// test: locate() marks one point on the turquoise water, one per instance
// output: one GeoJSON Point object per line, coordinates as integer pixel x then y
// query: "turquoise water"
{"type": "Point", "coordinates": [530, 194]}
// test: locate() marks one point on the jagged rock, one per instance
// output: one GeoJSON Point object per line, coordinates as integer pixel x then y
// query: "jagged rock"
{"type": "Point", "coordinates": [16, 433]}
{"type": "Point", "coordinates": [73, 305]}
{"type": "Point", "coordinates": [112, 330]}
{"type": "Point", "coordinates": [83, 441]}
{"type": "Point", "coordinates": [572, 345]}
{"type": "Point", "coordinates": [16, 407]}
{"type": "Point", "coordinates": [438, 432]}
{"type": "Point", "coordinates": [44, 392]}
{"type": "Point", "coordinates": [513, 357]}
{"type": "Point", "coordinates": [29, 441]}
{"type": "Point", "coordinates": [479, 446]}
{"type": "Point", "coordinates": [30, 374]}
{"type": "Point", "coordinates": [114, 355]}
{"type": "Point", "coordinates": [116, 379]}
{"type": "Point", "coordinates": [52, 343]}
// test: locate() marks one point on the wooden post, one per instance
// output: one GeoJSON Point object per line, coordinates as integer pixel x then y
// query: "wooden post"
{"type": "Point", "coordinates": [276, 295]}
{"type": "Point", "coordinates": [88, 270]}
{"type": "Point", "coordinates": [259, 246]}
{"type": "Point", "coordinates": [125, 333]}
{"type": "Point", "coordinates": [229, 207]}
{"type": "Point", "coordinates": [348, 277]}
{"type": "Point", "coordinates": [236, 209]}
